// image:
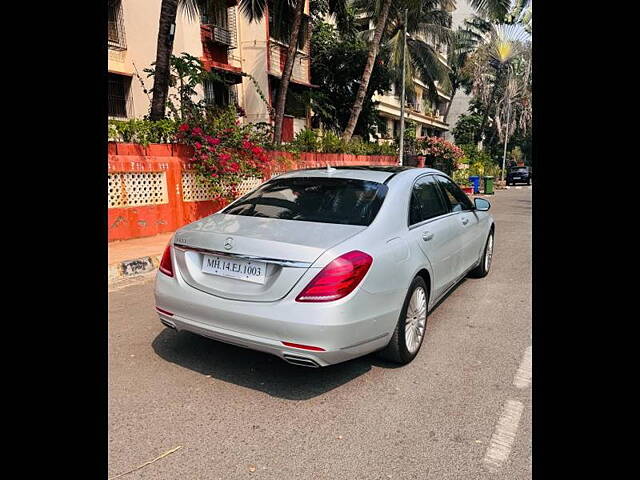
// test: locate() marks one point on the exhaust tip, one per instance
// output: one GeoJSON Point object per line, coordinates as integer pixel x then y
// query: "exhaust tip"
{"type": "Point", "coordinates": [167, 323]}
{"type": "Point", "coordinates": [300, 361]}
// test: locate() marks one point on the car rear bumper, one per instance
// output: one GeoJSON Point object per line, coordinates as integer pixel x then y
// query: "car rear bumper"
{"type": "Point", "coordinates": [345, 329]}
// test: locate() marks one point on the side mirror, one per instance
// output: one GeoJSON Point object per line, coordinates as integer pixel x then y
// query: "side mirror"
{"type": "Point", "coordinates": [481, 204]}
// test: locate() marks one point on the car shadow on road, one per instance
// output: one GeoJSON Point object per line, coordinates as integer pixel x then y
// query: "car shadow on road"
{"type": "Point", "coordinates": [257, 370]}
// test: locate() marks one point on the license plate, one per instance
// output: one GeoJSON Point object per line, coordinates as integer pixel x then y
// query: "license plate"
{"type": "Point", "coordinates": [516, 178]}
{"type": "Point", "coordinates": [247, 270]}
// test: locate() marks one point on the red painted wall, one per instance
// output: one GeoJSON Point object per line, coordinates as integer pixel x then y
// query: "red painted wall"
{"type": "Point", "coordinates": [149, 220]}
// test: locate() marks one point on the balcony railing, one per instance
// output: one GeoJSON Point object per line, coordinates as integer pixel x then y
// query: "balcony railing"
{"type": "Point", "coordinates": [221, 30]}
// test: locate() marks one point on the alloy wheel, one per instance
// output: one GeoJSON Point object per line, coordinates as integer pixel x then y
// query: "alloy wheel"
{"type": "Point", "coordinates": [488, 254]}
{"type": "Point", "coordinates": [416, 320]}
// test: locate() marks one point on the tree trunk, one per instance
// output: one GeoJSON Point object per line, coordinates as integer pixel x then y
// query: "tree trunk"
{"type": "Point", "coordinates": [446, 112]}
{"type": "Point", "coordinates": [486, 112]}
{"type": "Point", "coordinates": [168, 12]}
{"type": "Point", "coordinates": [286, 74]}
{"type": "Point", "coordinates": [366, 75]}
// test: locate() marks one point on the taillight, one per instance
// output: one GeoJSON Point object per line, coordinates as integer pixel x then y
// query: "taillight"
{"type": "Point", "coordinates": [338, 279]}
{"type": "Point", "coordinates": [166, 266]}
{"type": "Point", "coordinates": [304, 347]}
{"type": "Point", "coordinates": [166, 312]}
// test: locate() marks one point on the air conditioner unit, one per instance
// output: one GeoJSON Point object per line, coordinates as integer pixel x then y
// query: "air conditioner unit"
{"type": "Point", "coordinates": [219, 35]}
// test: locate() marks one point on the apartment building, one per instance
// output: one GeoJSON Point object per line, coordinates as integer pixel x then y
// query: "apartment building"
{"type": "Point", "coordinates": [264, 56]}
{"type": "Point", "coordinates": [426, 114]}
{"type": "Point", "coordinates": [132, 43]}
{"type": "Point", "coordinates": [418, 108]}
{"type": "Point", "coordinates": [226, 42]}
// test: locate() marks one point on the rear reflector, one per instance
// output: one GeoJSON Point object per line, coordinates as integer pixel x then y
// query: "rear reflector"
{"type": "Point", "coordinates": [338, 279]}
{"type": "Point", "coordinates": [304, 347]}
{"type": "Point", "coordinates": [164, 311]}
{"type": "Point", "coordinates": [166, 266]}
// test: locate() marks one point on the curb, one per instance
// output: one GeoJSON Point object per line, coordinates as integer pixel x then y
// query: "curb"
{"type": "Point", "coordinates": [132, 268]}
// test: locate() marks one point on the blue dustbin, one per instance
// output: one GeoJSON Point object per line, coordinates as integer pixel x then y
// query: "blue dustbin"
{"type": "Point", "coordinates": [475, 181]}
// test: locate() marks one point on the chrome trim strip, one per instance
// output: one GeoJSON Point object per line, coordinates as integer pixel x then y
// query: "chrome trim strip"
{"type": "Point", "coordinates": [276, 261]}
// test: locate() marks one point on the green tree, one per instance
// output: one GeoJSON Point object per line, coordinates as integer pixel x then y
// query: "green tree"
{"type": "Point", "coordinates": [336, 66]}
{"type": "Point", "coordinates": [427, 23]}
{"type": "Point", "coordinates": [466, 127]}
{"type": "Point", "coordinates": [380, 11]}
{"type": "Point", "coordinates": [287, 16]}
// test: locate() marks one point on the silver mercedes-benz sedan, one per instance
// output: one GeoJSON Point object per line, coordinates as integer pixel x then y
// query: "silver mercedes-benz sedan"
{"type": "Point", "coordinates": [320, 266]}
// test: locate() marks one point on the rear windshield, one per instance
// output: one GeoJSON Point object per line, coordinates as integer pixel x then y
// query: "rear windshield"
{"type": "Point", "coordinates": [326, 200]}
{"type": "Point", "coordinates": [520, 170]}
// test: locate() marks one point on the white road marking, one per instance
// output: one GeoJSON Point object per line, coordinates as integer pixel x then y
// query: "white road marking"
{"type": "Point", "coordinates": [522, 378]}
{"type": "Point", "coordinates": [503, 436]}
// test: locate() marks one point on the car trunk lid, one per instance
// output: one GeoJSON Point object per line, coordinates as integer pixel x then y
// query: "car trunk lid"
{"type": "Point", "coordinates": [287, 248]}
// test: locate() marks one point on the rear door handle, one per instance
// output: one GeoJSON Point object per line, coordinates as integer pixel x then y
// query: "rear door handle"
{"type": "Point", "coordinates": [465, 221]}
{"type": "Point", "coordinates": [426, 236]}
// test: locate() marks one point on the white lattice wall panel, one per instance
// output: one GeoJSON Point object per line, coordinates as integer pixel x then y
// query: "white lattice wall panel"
{"type": "Point", "coordinates": [134, 189]}
{"type": "Point", "coordinates": [194, 191]}
{"type": "Point", "coordinates": [249, 185]}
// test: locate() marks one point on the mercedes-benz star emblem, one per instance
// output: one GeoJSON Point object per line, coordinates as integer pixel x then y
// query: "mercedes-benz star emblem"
{"type": "Point", "coordinates": [228, 243]}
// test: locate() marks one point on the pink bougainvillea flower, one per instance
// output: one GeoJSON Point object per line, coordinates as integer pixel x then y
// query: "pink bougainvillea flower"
{"type": "Point", "coordinates": [184, 127]}
{"type": "Point", "coordinates": [198, 145]}
{"type": "Point", "coordinates": [197, 131]}
{"type": "Point", "coordinates": [234, 167]}
{"type": "Point", "coordinates": [247, 145]}
{"type": "Point", "coordinates": [224, 157]}
{"type": "Point", "coordinates": [256, 150]}
{"type": "Point", "coordinates": [214, 140]}
{"type": "Point", "coordinates": [214, 175]}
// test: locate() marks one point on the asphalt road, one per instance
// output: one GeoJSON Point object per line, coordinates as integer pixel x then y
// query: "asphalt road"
{"type": "Point", "coordinates": [241, 414]}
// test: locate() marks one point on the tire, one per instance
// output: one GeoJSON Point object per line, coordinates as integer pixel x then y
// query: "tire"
{"type": "Point", "coordinates": [482, 270]}
{"type": "Point", "coordinates": [397, 349]}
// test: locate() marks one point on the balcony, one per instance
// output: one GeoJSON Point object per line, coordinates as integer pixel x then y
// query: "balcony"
{"type": "Point", "coordinates": [278, 57]}
{"type": "Point", "coordinates": [220, 36]}
{"type": "Point", "coordinates": [219, 27]}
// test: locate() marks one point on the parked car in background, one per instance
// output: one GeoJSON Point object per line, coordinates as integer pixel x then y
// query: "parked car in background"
{"type": "Point", "coordinates": [320, 266]}
{"type": "Point", "coordinates": [519, 175]}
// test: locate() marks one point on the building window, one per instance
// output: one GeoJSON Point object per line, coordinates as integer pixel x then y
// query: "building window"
{"type": "Point", "coordinates": [119, 91]}
{"type": "Point", "coordinates": [213, 15]}
{"type": "Point", "coordinates": [282, 32]}
{"type": "Point", "coordinates": [218, 94]}
{"type": "Point", "coordinates": [115, 25]}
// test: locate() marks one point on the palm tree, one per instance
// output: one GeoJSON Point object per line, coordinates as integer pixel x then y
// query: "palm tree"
{"type": "Point", "coordinates": [166, 33]}
{"type": "Point", "coordinates": [504, 44]}
{"type": "Point", "coordinates": [426, 23]}
{"type": "Point", "coordinates": [514, 109]}
{"type": "Point", "coordinates": [464, 42]}
{"type": "Point", "coordinates": [288, 15]}
{"type": "Point", "coordinates": [380, 12]}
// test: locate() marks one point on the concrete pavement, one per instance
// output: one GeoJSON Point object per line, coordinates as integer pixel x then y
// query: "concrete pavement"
{"type": "Point", "coordinates": [451, 414]}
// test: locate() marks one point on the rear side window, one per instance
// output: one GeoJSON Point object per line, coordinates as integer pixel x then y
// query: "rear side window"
{"type": "Point", "coordinates": [456, 198]}
{"type": "Point", "coordinates": [426, 201]}
{"type": "Point", "coordinates": [326, 200]}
